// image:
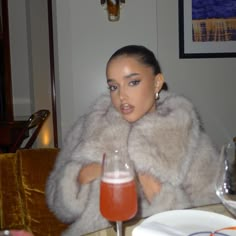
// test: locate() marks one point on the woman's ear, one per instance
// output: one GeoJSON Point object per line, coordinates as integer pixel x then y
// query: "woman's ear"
{"type": "Point", "coordinates": [159, 81]}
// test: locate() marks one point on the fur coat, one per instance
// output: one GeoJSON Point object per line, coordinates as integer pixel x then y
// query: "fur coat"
{"type": "Point", "coordinates": [168, 143]}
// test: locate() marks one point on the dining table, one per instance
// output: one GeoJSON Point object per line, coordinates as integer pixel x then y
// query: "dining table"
{"type": "Point", "coordinates": [128, 227]}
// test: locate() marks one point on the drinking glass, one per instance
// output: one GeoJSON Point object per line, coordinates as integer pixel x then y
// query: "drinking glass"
{"type": "Point", "coordinates": [226, 183]}
{"type": "Point", "coordinates": [118, 194]}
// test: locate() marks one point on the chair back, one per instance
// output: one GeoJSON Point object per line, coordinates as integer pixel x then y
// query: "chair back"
{"type": "Point", "coordinates": [31, 130]}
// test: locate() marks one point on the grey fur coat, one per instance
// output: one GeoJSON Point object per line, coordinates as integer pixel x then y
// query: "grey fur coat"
{"type": "Point", "coordinates": [168, 143]}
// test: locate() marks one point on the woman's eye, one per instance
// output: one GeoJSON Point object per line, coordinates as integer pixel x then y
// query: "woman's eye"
{"type": "Point", "coordinates": [134, 82]}
{"type": "Point", "coordinates": [112, 87]}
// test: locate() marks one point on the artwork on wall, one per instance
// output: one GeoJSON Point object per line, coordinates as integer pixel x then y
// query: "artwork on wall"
{"type": "Point", "coordinates": [207, 28]}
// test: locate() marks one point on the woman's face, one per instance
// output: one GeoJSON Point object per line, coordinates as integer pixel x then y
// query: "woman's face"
{"type": "Point", "coordinates": [132, 87]}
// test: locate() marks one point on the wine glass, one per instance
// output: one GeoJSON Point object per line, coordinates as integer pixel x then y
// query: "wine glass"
{"type": "Point", "coordinates": [118, 194]}
{"type": "Point", "coordinates": [226, 183]}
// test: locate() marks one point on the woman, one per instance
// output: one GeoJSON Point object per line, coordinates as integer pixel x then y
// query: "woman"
{"type": "Point", "coordinates": [160, 132]}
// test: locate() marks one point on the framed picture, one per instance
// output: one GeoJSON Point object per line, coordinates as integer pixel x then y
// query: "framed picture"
{"type": "Point", "coordinates": [207, 28]}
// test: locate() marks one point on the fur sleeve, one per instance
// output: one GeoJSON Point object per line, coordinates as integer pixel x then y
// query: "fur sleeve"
{"type": "Point", "coordinates": [62, 187]}
{"type": "Point", "coordinates": [162, 143]}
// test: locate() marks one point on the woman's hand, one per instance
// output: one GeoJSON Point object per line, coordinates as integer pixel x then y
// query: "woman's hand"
{"type": "Point", "coordinates": [89, 173]}
{"type": "Point", "coordinates": [150, 185]}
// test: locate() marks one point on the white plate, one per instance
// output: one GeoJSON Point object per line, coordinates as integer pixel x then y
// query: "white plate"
{"type": "Point", "coordinates": [190, 222]}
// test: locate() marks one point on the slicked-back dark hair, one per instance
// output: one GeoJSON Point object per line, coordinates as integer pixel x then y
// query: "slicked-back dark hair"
{"type": "Point", "coordinates": [143, 55]}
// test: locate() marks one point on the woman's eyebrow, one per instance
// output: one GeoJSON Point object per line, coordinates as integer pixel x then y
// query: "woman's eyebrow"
{"type": "Point", "coordinates": [126, 77]}
{"type": "Point", "coordinates": [110, 80]}
{"type": "Point", "coordinates": [131, 75]}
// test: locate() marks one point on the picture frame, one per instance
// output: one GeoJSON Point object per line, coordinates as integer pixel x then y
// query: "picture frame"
{"type": "Point", "coordinates": [190, 48]}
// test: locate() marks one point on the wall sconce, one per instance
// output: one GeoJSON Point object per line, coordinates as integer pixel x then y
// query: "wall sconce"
{"type": "Point", "coordinates": [113, 8]}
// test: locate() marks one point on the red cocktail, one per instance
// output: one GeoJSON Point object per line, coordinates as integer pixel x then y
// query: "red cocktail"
{"type": "Point", "coordinates": [118, 197]}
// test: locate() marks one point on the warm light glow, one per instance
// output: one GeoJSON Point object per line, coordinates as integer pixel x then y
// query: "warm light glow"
{"type": "Point", "coordinates": [45, 136]}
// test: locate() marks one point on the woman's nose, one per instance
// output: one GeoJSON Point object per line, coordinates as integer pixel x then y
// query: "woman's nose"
{"type": "Point", "coordinates": [123, 93]}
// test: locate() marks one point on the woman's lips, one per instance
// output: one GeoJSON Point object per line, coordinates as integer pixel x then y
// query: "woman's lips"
{"type": "Point", "coordinates": [126, 108]}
